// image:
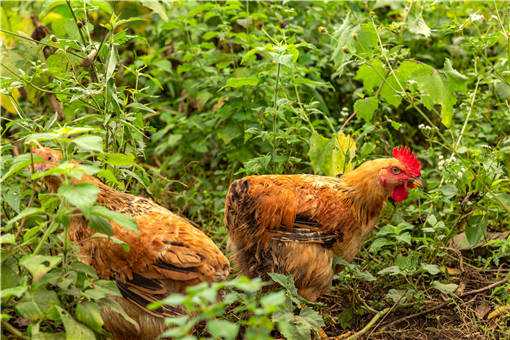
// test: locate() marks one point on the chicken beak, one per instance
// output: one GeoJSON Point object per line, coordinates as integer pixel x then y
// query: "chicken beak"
{"type": "Point", "coordinates": [415, 183]}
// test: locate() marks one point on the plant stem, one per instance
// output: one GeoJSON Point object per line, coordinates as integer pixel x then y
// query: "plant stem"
{"type": "Point", "coordinates": [41, 43]}
{"type": "Point", "coordinates": [275, 112]}
{"type": "Point", "coordinates": [76, 22]}
{"type": "Point", "coordinates": [467, 117]}
{"type": "Point", "coordinates": [45, 236]}
{"type": "Point", "coordinates": [13, 330]}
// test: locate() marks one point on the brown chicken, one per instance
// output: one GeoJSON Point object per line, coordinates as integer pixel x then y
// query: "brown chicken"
{"type": "Point", "coordinates": [294, 224]}
{"type": "Point", "coordinates": [166, 255]}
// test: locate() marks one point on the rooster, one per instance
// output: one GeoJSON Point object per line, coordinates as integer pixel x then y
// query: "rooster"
{"type": "Point", "coordinates": [294, 224]}
{"type": "Point", "coordinates": [166, 255]}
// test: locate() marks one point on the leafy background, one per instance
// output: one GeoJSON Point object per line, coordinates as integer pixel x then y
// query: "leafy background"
{"type": "Point", "coordinates": [175, 100]}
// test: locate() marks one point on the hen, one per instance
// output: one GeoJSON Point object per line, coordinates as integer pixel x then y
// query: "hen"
{"type": "Point", "coordinates": [294, 224]}
{"type": "Point", "coordinates": [166, 255]}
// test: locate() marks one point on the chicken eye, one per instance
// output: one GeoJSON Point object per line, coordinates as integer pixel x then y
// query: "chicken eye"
{"type": "Point", "coordinates": [395, 170]}
{"type": "Point", "coordinates": [50, 158]}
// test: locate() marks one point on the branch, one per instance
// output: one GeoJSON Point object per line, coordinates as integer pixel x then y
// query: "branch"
{"type": "Point", "coordinates": [444, 304]}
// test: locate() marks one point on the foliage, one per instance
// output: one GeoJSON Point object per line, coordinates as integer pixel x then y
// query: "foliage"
{"type": "Point", "coordinates": [174, 100]}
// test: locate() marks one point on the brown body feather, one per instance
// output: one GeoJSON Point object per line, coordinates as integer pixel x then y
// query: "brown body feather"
{"type": "Point", "coordinates": [166, 255]}
{"type": "Point", "coordinates": [294, 224]}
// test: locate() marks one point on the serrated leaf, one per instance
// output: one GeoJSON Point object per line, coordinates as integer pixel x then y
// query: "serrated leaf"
{"type": "Point", "coordinates": [417, 25]}
{"type": "Point", "coordinates": [366, 107]}
{"type": "Point", "coordinates": [90, 314]}
{"type": "Point", "coordinates": [100, 224]}
{"type": "Point", "coordinates": [39, 304]}
{"type": "Point", "coordinates": [81, 195]}
{"type": "Point", "coordinates": [57, 64]}
{"type": "Point", "coordinates": [19, 163]}
{"type": "Point", "coordinates": [372, 74]}
{"type": "Point", "coordinates": [39, 265]}
{"type": "Point", "coordinates": [120, 159]}
{"type": "Point", "coordinates": [156, 7]}
{"type": "Point", "coordinates": [379, 243]}
{"type": "Point", "coordinates": [426, 81]}
{"type": "Point", "coordinates": [430, 268]}
{"type": "Point", "coordinates": [24, 214]}
{"type": "Point", "coordinates": [74, 329]}
{"type": "Point", "coordinates": [447, 288]}
{"type": "Point", "coordinates": [89, 143]}
{"type": "Point", "coordinates": [123, 220]}
{"type": "Point", "coordinates": [222, 329]}
{"type": "Point", "coordinates": [242, 81]}
{"type": "Point", "coordinates": [475, 229]}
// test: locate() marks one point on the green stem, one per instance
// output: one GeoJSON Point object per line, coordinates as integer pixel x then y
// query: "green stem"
{"type": "Point", "coordinates": [275, 112]}
{"type": "Point", "coordinates": [13, 330]}
{"type": "Point", "coordinates": [76, 22]}
{"type": "Point", "coordinates": [44, 238]}
{"type": "Point", "coordinates": [40, 43]}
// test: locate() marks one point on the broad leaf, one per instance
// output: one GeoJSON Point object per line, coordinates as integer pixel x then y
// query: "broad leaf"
{"type": "Point", "coordinates": [39, 265]}
{"type": "Point", "coordinates": [90, 314]}
{"type": "Point", "coordinates": [74, 329]}
{"type": "Point", "coordinates": [81, 195]}
{"type": "Point", "coordinates": [222, 329]}
{"type": "Point", "coordinates": [447, 288]}
{"type": "Point", "coordinates": [366, 107]}
{"type": "Point", "coordinates": [89, 143]}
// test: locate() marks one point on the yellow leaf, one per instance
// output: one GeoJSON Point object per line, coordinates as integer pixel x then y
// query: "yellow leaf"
{"type": "Point", "coordinates": [7, 102]}
{"type": "Point", "coordinates": [499, 311]}
{"type": "Point", "coordinates": [346, 151]}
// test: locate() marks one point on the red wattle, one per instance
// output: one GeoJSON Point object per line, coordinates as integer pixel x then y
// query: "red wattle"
{"type": "Point", "coordinates": [399, 194]}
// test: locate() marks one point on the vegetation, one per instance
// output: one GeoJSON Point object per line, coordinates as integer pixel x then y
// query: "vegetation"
{"type": "Point", "coordinates": [175, 100]}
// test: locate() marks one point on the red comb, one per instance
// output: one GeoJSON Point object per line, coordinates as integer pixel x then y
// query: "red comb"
{"type": "Point", "coordinates": [406, 156]}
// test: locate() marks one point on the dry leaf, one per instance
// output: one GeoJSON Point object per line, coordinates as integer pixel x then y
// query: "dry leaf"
{"type": "Point", "coordinates": [482, 310]}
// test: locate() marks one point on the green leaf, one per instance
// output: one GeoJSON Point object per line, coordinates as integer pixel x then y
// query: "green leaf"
{"type": "Point", "coordinates": [156, 7]}
{"type": "Point", "coordinates": [372, 74]}
{"type": "Point", "coordinates": [366, 107]}
{"type": "Point", "coordinates": [379, 243]}
{"type": "Point", "coordinates": [57, 64]}
{"type": "Point", "coordinates": [449, 190]}
{"type": "Point", "coordinates": [242, 81]}
{"type": "Point", "coordinates": [392, 270]}
{"type": "Point", "coordinates": [74, 329]}
{"type": "Point", "coordinates": [18, 292]}
{"type": "Point", "coordinates": [456, 81]}
{"type": "Point", "coordinates": [89, 143]}
{"type": "Point", "coordinates": [100, 224]}
{"type": "Point", "coordinates": [7, 239]}
{"type": "Point", "coordinates": [24, 214]}
{"type": "Point", "coordinates": [331, 156]}
{"type": "Point", "coordinates": [272, 301]}
{"type": "Point", "coordinates": [120, 159]}
{"type": "Point", "coordinates": [417, 25]}
{"type": "Point", "coordinates": [39, 304]}
{"type": "Point", "coordinates": [430, 268]}
{"type": "Point", "coordinates": [119, 218]}
{"type": "Point", "coordinates": [447, 288]}
{"type": "Point", "coordinates": [39, 265]}
{"type": "Point", "coordinates": [222, 329]}
{"type": "Point", "coordinates": [415, 76]}
{"type": "Point", "coordinates": [81, 195]}
{"type": "Point", "coordinates": [365, 41]}
{"type": "Point", "coordinates": [502, 89]}
{"type": "Point", "coordinates": [112, 63]}
{"type": "Point", "coordinates": [90, 314]}
{"type": "Point", "coordinates": [475, 229]}
{"type": "Point", "coordinates": [19, 163]}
